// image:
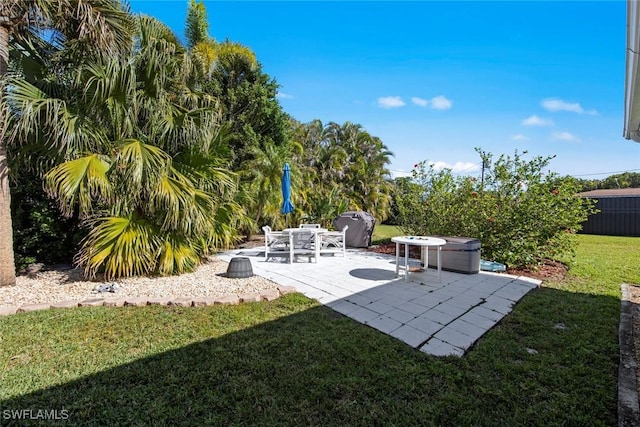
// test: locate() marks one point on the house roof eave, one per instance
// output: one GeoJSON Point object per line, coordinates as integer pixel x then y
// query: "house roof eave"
{"type": "Point", "coordinates": [632, 82]}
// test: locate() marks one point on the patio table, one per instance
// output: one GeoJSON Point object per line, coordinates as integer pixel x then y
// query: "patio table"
{"type": "Point", "coordinates": [416, 241]}
{"type": "Point", "coordinates": [294, 238]}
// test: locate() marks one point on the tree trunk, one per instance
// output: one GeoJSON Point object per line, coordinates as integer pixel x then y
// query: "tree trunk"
{"type": "Point", "coordinates": [7, 266]}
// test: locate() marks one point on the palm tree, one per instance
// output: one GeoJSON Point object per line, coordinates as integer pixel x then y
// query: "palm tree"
{"type": "Point", "coordinates": [345, 160]}
{"type": "Point", "coordinates": [97, 26]}
{"type": "Point", "coordinates": [261, 180]}
{"type": "Point", "coordinates": [7, 268]}
{"type": "Point", "coordinates": [138, 153]}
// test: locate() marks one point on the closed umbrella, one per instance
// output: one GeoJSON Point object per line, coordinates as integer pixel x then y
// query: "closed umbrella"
{"type": "Point", "coordinates": [287, 206]}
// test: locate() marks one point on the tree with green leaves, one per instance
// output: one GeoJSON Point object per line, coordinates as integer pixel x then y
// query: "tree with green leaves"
{"type": "Point", "coordinates": [137, 151]}
{"type": "Point", "coordinates": [247, 95]}
{"type": "Point", "coordinates": [257, 126]}
{"type": "Point", "coordinates": [197, 28]}
{"type": "Point", "coordinates": [522, 214]}
{"type": "Point", "coordinates": [86, 29]}
{"type": "Point", "coordinates": [348, 162]}
{"type": "Point", "coordinates": [621, 180]}
{"type": "Point", "coordinates": [262, 181]}
{"type": "Point", "coordinates": [248, 100]}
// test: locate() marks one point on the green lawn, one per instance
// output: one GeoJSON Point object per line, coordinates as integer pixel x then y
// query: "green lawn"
{"type": "Point", "coordinates": [553, 361]}
{"type": "Point", "coordinates": [383, 233]}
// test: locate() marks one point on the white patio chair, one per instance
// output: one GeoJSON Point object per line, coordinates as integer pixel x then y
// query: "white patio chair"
{"type": "Point", "coordinates": [334, 242]}
{"type": "Point", "coordinates": [275, 241]}
{"type": "Point", "coordinates": [304, 240]}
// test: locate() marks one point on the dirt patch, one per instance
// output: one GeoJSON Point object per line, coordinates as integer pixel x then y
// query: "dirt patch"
{"type": "Point", "coordinates": [390, 249]}
{"type": "Point", "coordinates": [550, 270]}
{"type": "Point", "coordinates": [252, 241]}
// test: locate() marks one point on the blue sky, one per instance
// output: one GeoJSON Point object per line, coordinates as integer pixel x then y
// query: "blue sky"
{"type": "Point", "coordinates": [433, 80]}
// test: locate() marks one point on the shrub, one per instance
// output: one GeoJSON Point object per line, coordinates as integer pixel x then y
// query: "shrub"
{"type": "Point", "coordinates": [520, 214]}
{"type": "Point", "coordinates": [323, 208]}
{"type": "Point", "coordinates": [40, 232]}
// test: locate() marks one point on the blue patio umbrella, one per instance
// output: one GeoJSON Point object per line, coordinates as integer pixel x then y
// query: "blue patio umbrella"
{"type": "Point", "coordinates": [287, 206]}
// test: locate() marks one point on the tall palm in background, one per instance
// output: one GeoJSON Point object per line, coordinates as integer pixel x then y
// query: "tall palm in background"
{"type": "Point", "coordinates": [262, 175]}
{"type": "Point", "coordinates": [347, 169]}
{"type": "Point", "coordinates": [367, 175]}
{"type": "Point", "coordinates": [138, 153]}
{"type": "Point", "coordinates": [93, 28]}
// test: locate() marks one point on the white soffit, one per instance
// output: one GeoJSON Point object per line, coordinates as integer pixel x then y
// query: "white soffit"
{"type": "Point", "coordinates": [632, 83]}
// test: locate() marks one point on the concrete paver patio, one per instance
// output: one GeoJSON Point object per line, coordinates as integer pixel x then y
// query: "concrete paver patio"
{"type": "Point", "coordinates": [437, 317]}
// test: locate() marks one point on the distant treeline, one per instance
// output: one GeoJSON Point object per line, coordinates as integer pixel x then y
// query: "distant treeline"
{"type": "Point", "coordinates": [623, 180]}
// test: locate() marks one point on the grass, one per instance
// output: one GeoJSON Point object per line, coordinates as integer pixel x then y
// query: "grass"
{"type": "Point", "coordinates": [383, 233]}
{"type": "Point", "coordinates": [294, 362]}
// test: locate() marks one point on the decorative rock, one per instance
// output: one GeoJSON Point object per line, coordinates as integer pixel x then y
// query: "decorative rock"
{"type": "Point", "coordinates": [109, 287]}
{"type": "Point", "coordinates": [227, 299]}
{"type": "Point", "coordinates": [270, 295]}
{"type": "Point", "coordinates": [5, 311]}
{"type": "Point", "coordinates": [181, 302]}
{"type": "Point", "coordinates": [159, 301]}
{"type": "Point", "coordinates": [136, 301]}
{"type": "Point", "coordinates": [65, 304]}
{"type": "Point", "coordinates": [204, 301]}
{"type": "Point", "coordinates": [32, 270]}
{"type": "Point", "coordinates": [33, 307]}
{"type": "Point", "coordinates": [284, 290]}
{"type": "Point", "coordinates": [250, 297]}
{"type": "Point", "coordinates": [93, 302]}
{"type": "Point", "coordinates": [114, 302]}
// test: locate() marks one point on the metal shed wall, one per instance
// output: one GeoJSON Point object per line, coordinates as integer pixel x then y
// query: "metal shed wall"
{"type": "Point", "coordinates": [618, 216]}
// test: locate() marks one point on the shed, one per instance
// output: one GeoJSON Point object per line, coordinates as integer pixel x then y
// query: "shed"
{"type": "Point", "coordinates": [619, 212]}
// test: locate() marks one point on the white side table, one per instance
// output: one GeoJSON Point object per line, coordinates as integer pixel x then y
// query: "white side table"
{"type": "Point", "coordinates": [416, 241]}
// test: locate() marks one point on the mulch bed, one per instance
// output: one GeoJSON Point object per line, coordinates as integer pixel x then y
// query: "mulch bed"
{"type": "Point", "coordinates": [390, 249]}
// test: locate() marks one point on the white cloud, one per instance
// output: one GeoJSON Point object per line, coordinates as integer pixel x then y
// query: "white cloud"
{"type": "Point", "coordinates": [537, 121]}
{"type": "Point", "coordinates": [419, 101]}
{"type": "Point", "coordinates": [283, 95]}
{"type": "Point", "coordinates": [399, 174]}
{"type": "Point", "coordinates": [555, 104]}
{"type": "Point", "coordinates": [457, 167]}
{"type": "Point", "coordinates": [564, 136]}
{"type": "Point", "coordinates": [390, 102]}
{"type": "Point", "coordinates": [519, 137]}
{"type": "Point", "coordinates": [441, 103]}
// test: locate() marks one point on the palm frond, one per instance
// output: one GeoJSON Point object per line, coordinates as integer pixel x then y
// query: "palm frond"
{"type": "Point", "coordinates": [121, 246]}
{"type": "Point", "coordinates": [140, 163]}
{"type": "Point", "coordinates": [177, 255]}
{"type": "Point", "coordinates": [66, 131]}
{"type": "Point", "coordinates": [104, 24]}
{"type": "Point", "coordinates": [79, 181]}
{"type": "Point", "coordinates": [206, 53]}
{"type": "Point", "coordinates": [181, 205]}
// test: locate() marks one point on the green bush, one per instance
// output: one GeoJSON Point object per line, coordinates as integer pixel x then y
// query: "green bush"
{"type": "Point", "coordinates": [521, 214]}
{"type": "Point", "coordinates": [323, 208]}
{"type": "Point", "coordinates": [40, 232]}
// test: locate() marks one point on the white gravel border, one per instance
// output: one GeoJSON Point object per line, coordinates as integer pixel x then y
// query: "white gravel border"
{"type": "Point", "coordinates": [207, 283]}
